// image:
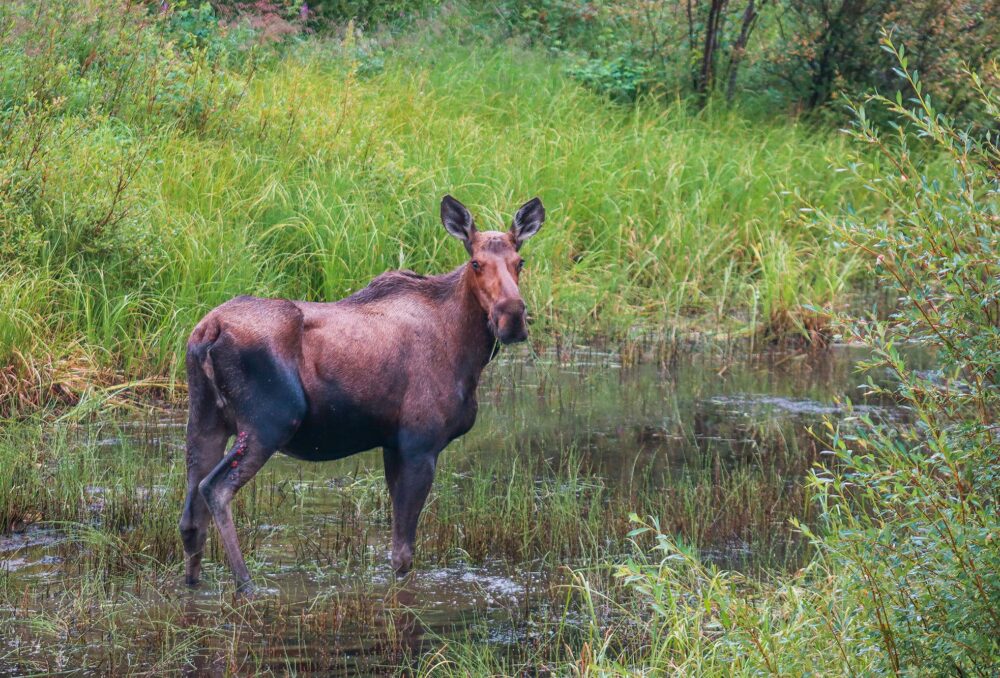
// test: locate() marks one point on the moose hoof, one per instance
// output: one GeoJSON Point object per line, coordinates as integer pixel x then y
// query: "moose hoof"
{"type": "Point", "coordinates": [402, 563]}
{"type": "Point", "coordinates": [247, 591]}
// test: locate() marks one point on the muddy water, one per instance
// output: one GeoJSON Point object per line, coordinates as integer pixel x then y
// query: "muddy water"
{"type": "Point", "coordinates": [332, 602]}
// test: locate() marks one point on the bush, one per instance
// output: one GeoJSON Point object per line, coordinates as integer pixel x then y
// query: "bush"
{"type": "Point", "coordinates": [80, 109]}
{"type": "Point", "coordinates": [89, 92]}
{"type": "Point", "coordinates": [623, 79]}
{"type": "Point", "coordinates": [912, 512]}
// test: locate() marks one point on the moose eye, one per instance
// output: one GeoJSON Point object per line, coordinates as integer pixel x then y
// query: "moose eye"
{"type": "Point", "coordinates": [475, 265]}
{"type": "Point", "coordinates": [520, 265]}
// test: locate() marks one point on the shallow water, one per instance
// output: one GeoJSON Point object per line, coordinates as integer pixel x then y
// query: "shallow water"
{"type": "Point", "coordinates": [332, 603]}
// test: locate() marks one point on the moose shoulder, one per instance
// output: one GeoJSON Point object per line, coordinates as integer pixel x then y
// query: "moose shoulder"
{"type": "Point", "coordinates": [395, 365]}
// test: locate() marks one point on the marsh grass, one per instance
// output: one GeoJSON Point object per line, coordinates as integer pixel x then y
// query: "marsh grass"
{"type": "Point", "coordinates": [515, 505]}
{"type": "Point", "coordinates": [90, 520]}
{"type": "Point", "coordinates": [298, 172]}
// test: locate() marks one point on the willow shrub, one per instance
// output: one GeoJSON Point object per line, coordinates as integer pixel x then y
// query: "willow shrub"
{"type": "Point", "coordinates": [911, 511]}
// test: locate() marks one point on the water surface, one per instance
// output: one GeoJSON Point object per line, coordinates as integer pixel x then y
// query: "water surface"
{"type": "Point", "coordinates": [716, 449]}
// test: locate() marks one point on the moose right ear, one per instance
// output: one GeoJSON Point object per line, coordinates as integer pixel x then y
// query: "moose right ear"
{"type": "Point", "coordinates": [457, 221]}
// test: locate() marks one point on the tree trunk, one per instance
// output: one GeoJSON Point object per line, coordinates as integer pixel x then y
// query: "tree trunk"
{"type": "Point", "coordinates": [692, 43]}
{"type": "Point", "coordinates": [837, 49]}
{"type": "Point", "coordinates": [706, 76]}
{"type": "Point", "coordinates": [750, 15]}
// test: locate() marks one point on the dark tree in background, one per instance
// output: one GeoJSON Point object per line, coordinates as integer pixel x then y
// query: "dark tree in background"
{"type": "Point", "coordinates": [772, 53]}
{"type": "Point", "coordinates": [713, 28]}
{"type": "Point", "coordinates": [840, 37]}
{"type": "Point", "coordinates": [826, 46]}
{"type": "Point", "coordinates": [717, 40]}
{"type": "Point", "coordinates": [751, 13]}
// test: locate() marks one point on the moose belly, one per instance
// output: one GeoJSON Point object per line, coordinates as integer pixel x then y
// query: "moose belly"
{"type": "Point", "coordinates": [338, 433]}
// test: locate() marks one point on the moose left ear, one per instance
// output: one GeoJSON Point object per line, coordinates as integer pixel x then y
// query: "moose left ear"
{"type": "Point", "coordinates": [527, 221]}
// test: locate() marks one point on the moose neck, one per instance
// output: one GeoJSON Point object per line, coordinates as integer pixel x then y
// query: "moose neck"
{"type": "Point", "coordinates": [470, 327]}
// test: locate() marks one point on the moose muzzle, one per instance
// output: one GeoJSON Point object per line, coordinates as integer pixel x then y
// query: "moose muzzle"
{"type": "Point", "coordinates": [509, 323]}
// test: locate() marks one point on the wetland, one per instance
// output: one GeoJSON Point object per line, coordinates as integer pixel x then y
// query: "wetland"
{"type": "Point", "coordinates": [568, 444]}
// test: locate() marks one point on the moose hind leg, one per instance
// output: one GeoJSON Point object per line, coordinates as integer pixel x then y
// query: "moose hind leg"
{"type": "Point", "coordinates": [246, 457]}
{"type": "Point", "coordinates": [206, 443]}
{"type": "Point", "coordinates": [203, 456]}
{"type": "Point", "coordinates": [265, 399]}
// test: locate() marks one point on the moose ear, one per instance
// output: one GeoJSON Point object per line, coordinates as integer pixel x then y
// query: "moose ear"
{"type": "Point", "coordinates": [527, 221]}
{"type": "Point", "coordinates": [457, 220]}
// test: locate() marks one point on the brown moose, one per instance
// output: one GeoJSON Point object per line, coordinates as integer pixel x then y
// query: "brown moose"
{"type": "Point", "coordinates": [395, 365]}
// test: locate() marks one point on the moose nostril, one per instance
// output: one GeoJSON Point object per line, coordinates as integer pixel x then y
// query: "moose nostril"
{"type": "Point", "coordinates": [515, 307]}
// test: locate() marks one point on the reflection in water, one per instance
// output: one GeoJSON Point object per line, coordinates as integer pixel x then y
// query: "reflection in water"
{"type": "Point", "coordinates": [716, 450]}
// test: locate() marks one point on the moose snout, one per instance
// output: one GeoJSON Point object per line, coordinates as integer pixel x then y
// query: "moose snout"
{"type": "Point", "coordinates": [509, 321]}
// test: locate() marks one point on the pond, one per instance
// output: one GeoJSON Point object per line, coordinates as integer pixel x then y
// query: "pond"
{"type": "Point", "coordinates": [568, 443]}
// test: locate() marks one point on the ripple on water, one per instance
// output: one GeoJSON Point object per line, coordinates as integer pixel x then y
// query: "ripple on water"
{"type": "Point", "coordinates": [25, 551]}
{"type": "Point", "coordinates": [749, 404]}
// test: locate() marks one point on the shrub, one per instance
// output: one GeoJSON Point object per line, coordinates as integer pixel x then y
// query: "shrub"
{"type": "Point", "coordinates": [78, 113]}
{"type": "Point", "coordinates": [912, 512]}
{"type": "Point", "coordinates": [88, 94]}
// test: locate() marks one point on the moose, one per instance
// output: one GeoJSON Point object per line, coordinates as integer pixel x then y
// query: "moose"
{"type": "Point", "coordinates": [395, 365]}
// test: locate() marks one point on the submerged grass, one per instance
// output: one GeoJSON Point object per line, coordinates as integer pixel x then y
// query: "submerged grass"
{"type": "Point", "coordinates": [511, 504]}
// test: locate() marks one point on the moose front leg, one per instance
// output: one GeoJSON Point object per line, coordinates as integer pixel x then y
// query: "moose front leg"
{"type": "Point", "coordinates": [409, 478]}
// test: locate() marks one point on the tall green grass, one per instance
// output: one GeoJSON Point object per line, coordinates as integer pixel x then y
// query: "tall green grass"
{"type": "Point", "coordinates": [132, 211]}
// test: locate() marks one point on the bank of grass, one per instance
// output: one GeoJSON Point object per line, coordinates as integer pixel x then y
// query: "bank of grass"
{"type": "Point", "coordinates": [298, 172]}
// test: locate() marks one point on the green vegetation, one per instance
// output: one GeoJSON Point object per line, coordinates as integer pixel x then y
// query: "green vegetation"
{"type": "Point", "coordinates": [94, 506]}
{"type": "Point", "coordinates": [906, 579]}
{"type": "Point", "coordinates": [155, 162]}
{"type": "Point", "coordinates": [920, 539]}
{"type": "Point", "coordinates": [224, 169]}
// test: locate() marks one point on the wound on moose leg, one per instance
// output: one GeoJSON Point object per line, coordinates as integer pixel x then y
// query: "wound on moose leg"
{"type": "Point", "coordinates": [240, 448]}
